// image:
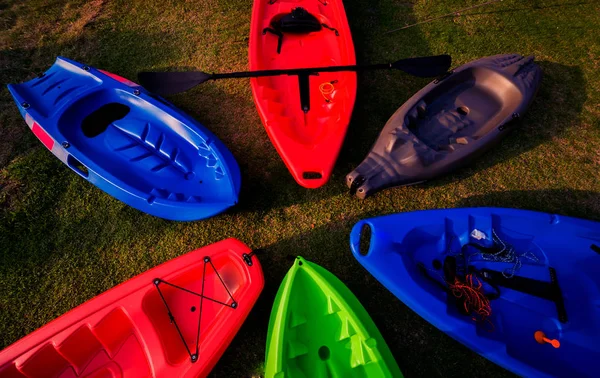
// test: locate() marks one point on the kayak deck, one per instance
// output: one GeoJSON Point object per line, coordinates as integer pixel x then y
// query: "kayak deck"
{"type": "Point", "coordinates": [319, 329]}
{"type": "Point", "coordinates": [538, 272]}
{"type": "Point", "coordinates": [307, 140]}
{"type": "Point", "coordinates": [465, 105]}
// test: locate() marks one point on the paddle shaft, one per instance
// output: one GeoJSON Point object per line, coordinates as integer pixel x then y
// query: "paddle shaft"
{"type": "Point", "coordinates": [299, 71]}
{"type": "Point", "coordinates": [175, 82]}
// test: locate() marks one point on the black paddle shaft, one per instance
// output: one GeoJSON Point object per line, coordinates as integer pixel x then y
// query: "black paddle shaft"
{"type": "Point", "coordinates": [305, 73]}
{"type": "Point", "coordinates": [303, 76]}
{"type": "Point", "coordinates": [299, 71]}
{"type": "Point", "coordinates": [166, 83]}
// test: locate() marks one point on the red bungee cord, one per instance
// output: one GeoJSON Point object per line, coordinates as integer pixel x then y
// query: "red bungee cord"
{"type": "Point", "coordinates": [474, 300]}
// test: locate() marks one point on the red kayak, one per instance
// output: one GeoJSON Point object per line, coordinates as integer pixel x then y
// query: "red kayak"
{"type": "Point", "coordinates": [306, 118]}
{"type": "Point", "coordinates": [172, 321]}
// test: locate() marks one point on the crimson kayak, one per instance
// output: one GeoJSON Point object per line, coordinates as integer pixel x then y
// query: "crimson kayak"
{"type": "Point", "coordinates": [175, 320]}
{"type": "Point", "coordinates": [306, 117]}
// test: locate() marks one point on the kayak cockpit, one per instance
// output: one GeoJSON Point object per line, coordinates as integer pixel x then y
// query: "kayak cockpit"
{"type": "Point", "coordinates": [461, 109]}
{"type": "Point", "coordinates": [118, 130]}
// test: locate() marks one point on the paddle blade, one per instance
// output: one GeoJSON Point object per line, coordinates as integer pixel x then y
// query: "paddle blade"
{"type": "Point", "coordinates": [168, 83]}
{"type": "Point", "coordinates": [427, 66]}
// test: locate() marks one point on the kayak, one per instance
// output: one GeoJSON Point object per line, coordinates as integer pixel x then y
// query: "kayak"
{"type": "Point", "coordinates": [128, 142]}
{"type": "Point", "coordinates": [319, 329]}
{"type": "Point", "coordinates": [449, 123]}
{"type": "Point", "coordinates": [306, 116]}
{"type": "Point", "coordinates": [175, 320]}
{"type": "Point", "coordinates": [520, 288]}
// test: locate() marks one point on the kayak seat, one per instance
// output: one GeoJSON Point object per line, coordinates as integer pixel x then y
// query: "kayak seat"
{"type": "Point", "coordinates": [297, 22]}
{"type": "Point", "coordinates": [88, 351]}
{"type": "Point", "coordinates": [437, 131]}
{"type": "Point", "coordinates": [463, 109]}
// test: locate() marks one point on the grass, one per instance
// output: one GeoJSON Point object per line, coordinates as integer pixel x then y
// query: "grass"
{"type": "Point", "coordinates": [63, 241]}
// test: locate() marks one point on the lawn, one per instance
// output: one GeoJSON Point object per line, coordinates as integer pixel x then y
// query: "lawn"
{"type": "Point", "coordinates": [63, 241]}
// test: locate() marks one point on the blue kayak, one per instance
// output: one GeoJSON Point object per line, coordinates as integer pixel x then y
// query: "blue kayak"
{"type": "Point", "coordinates": [520, 288]}
{"type": "Point", "coordinates": [128, 142]}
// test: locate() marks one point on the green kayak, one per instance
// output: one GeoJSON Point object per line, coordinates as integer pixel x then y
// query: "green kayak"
{"type": "Point", "coordinates": [319, 329]}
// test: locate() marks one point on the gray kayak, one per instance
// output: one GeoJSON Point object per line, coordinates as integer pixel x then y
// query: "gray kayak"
{"type": "Point", "coordinates": [449, 123]}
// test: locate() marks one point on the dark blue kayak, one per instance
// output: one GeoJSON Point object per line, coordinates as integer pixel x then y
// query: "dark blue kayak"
{"type": "Point", "coordinates": [128, 142]}
{"type": "Point", "coordinates": [521, 288]}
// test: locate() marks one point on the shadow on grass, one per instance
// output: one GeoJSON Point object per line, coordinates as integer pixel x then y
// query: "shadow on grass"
{"type": "Point", "coordinates": [419, 348]}
{"type": "Point", "coordinates": [380, 93]}
{"type": "Point", "coordinates": [570, 202]}
{"type": "Point", "coordinates": [58, 242]}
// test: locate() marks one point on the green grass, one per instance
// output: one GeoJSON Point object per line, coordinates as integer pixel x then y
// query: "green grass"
{"type": "Point", "coordinates": [62, 240]}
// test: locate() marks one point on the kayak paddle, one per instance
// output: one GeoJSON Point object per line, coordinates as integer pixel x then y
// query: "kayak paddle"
{"type": "Point", "coordinates": [168, 83]}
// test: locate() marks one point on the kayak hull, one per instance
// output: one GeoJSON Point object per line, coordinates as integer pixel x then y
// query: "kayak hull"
{"type": "Point", "coordinates": [127, 331]}
{"type": "Point", "coordinates": [449, 123]}
{"type": "Point", "coordinates": [128, 142]}
{"type": "Point", "coordinates": [409, 254]}
{"type": "Point", "coordinates": [319, 329]}
{"type": "Point", "coordinates": [308, 142]}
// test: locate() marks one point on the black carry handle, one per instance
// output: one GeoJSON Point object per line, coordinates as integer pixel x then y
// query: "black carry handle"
{"type": "Point", "coordinates": [247, 257]}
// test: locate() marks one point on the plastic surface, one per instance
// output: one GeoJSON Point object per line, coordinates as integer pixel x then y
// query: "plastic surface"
{"type": "Point", "coordinates": [406, 253]}
{"type": "Point", "coordinates": [449, 123]}
{"type": "Point", "coordinates": [127, 332]}
{"type": "Point", "coordinates": [128, 142]}
{"type": "Point", "coordinates": [308, 143]}
{"type": "Point", "coordinates": [319, 329]}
